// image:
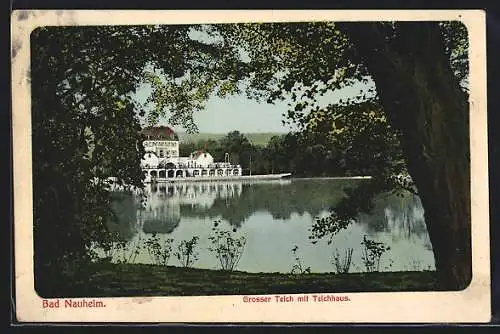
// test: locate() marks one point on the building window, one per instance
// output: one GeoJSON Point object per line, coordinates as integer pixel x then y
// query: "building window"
{"type": "Point", "coordinates": [161, 153]}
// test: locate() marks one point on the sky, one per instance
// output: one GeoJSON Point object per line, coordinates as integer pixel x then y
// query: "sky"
{"type": "Point", "coordinates": [248, 116]}
{"type": "Point", "coordinates": [245, 115]}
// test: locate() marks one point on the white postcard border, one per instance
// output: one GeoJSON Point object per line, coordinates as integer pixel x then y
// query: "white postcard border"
{"type": "Point", "coordinates": [469, 305]}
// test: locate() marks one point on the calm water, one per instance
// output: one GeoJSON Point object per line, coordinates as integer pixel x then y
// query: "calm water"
{"type": "Point", "coordinates": [274, 216]}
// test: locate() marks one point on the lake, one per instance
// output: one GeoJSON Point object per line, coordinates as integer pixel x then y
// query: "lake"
{"type": "Point", "coordinates": [274, 217]}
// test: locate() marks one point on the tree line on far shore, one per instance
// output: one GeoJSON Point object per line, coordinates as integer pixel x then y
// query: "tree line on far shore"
{"type": "Point", "coordinates": [310, 153]}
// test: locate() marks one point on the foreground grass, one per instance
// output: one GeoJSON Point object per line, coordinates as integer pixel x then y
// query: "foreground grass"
{"type": "Point", "coordinates": [121, 280]}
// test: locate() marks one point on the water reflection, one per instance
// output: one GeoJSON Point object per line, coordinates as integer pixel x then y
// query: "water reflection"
{"type": "Point", "coordinates": [275, 216]}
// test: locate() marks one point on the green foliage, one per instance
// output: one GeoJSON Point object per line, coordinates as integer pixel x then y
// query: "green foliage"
{"type": "Point", "coordinates": [186, 252]}
{"type": "Point", "coordinates": [298, 267]}
{"type": "Point", "coordinates": [86, 126]}
{"type": "Point", "coordinates": [456, 40]}
{"type": "Point", "coordinates": [238, 147]}
{"type": "Point", "coordinates": [303, 62]}
{"type": "Point", "coordinates": [292, 57]}
{"type": "Point", "coordinates": [372, 252]}
{"type": "Point", "coordinates": [128, 250]}
{"type": "Point", "coordinates": [304, 154]}
{"type": "Point", "coordinates": [159, 251]}
{"type": "Point", "coordinates": [115, 249]}
{"type": "Point", "coordinates": [227, 248]}
{"type": "Point", "coordinates": [255, 138]}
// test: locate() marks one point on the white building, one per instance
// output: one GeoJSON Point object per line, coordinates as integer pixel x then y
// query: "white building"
{"type": "Point", "coordinates": [162, 141]}
{"type": "Point", "coordinates": [162, 162]}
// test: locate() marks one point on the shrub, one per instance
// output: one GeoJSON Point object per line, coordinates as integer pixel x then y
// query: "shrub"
{"type": "Point", "coordinates": [297, 268]}
{"type": "Point", "coordinates": [227, 248]}
{"type": "Point", "coordinates": [372, 252]}
{"type": "Point", "coordinates": [186, 252]}
{"type": "Point", "coordinates": [159, 251]}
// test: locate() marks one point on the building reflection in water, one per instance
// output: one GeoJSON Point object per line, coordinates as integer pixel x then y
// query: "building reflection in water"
{"type": "Point", "coordinates": [161, 212]}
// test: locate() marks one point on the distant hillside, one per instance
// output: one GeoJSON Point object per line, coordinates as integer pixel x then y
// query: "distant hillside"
{"type": "Point", "coordinates": [256, 138]}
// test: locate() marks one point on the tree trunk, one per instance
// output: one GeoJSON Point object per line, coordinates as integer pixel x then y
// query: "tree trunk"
{"type": "Point", "coordinates": [423, 100]}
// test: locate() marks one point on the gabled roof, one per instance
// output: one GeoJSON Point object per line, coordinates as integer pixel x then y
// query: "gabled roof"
{"type": "Point", "coordinates": [160, 133]}
{"type": "Point", "coordinates": [148, 153]}
{"type": "Point", "coordinates": [197, 153]}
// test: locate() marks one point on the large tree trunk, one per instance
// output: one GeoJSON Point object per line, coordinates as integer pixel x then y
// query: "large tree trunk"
{"type": "Point", "coordinates": [423, 99]}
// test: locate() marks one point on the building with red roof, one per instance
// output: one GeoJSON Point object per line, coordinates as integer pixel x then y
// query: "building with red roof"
{"type": "Point", "coordinates": [162, 161]}
{"type": "Point", "coordinates": [160, 133]}
{"type": "Point", "coordinates": [162, 141]}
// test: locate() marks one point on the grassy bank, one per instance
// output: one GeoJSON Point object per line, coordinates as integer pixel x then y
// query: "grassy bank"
{"type": "Point", "coordinates": [120, 280]}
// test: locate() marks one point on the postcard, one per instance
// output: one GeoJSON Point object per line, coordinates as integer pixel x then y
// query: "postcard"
{"type": "Point", "coordinates": [250, 166]}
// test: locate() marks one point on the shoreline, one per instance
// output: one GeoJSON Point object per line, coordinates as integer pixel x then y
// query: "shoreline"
{"type": "Point", "coordinates": [263, 177]}
{"type": "Point", "coordinates": [222, 178]}
{"type": "Point", "coordinates": [243, 178]}
{"type": "Point", "coordinates": [356, 177]}
{"type": "Point", "coordinates": [279, 178]}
